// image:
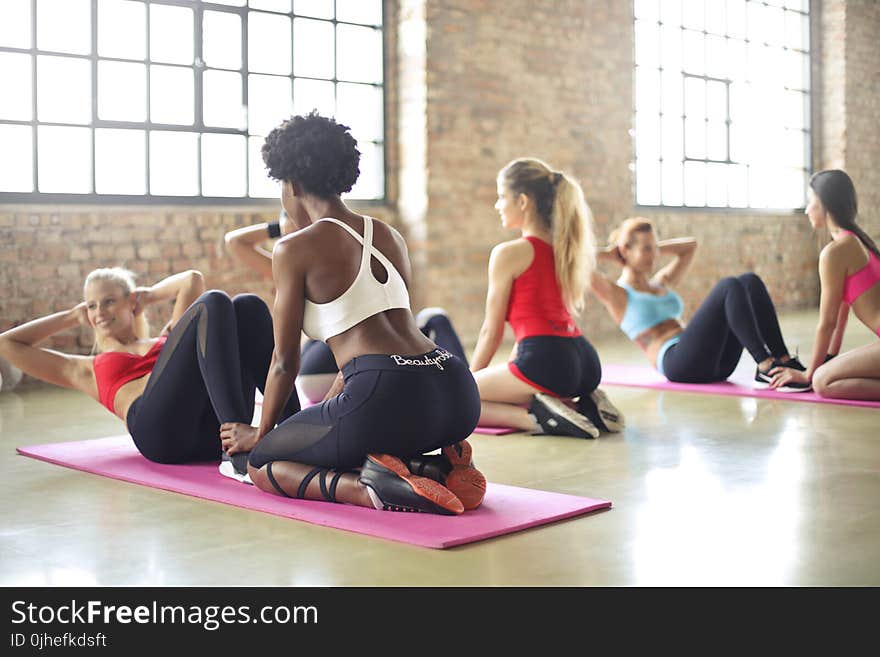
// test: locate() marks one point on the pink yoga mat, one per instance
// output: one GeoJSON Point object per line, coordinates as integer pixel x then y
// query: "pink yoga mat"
{"type": "Point", "coordinates": [645, 377]}
{"type": "Point", "coordinates": [505, 509]}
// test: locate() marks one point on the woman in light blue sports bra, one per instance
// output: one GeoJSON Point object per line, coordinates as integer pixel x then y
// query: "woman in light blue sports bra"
{"type": "Point", "coordinates": [737, 314]}
{"type": "Point", "coordinates": [343, 278]}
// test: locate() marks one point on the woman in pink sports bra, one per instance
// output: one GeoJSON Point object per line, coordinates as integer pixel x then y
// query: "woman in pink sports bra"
{"type": "Point", "coordinates": [849, 271]}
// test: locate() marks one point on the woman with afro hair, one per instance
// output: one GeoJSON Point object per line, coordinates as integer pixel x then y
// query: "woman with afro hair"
{"type": "Point", "coordinates": [343, 278]}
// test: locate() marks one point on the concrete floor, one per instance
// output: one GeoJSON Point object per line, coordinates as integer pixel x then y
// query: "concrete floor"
{"type": "Point", "coordinates": [706, 490]}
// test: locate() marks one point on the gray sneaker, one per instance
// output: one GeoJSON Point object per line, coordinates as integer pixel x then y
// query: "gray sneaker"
{"type": "Point", "coordinates": [557, 419]}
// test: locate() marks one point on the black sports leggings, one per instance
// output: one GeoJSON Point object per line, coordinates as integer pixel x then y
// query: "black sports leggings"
{"type": "Point", "coordinates": [213, 361]}
{"type": "Point", "coordinates": [737, 313]}
{"type": "Point", "coordinates": [318, 359]}
{"type": "Point", "coordinates": [400, 405]}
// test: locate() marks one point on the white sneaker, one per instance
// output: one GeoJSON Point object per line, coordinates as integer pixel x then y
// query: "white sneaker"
{"type": "Point", "coordinates": [426, 314]}
{"type": "Point", "coordinates": [228, 468]}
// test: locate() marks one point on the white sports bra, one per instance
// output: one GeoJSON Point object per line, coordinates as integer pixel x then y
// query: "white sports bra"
{"type": "Point", "coordinates": [366, 296]}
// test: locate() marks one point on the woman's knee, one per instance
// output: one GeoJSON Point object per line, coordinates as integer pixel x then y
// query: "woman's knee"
{"type": "Point", "coordinates": [249, 304]}
{"type": "Point", "coordinates": [213, 299]}
{"type": "Point", "coordinates": [728, 283]}
{"type": "Point", "coordinates": [822, 380]}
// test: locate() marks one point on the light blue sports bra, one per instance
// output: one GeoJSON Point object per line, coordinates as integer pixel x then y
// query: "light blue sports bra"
{"type": "Point", "coordinates": [644, 310]}
{"type": "Point", "coordinates": [366, 296]}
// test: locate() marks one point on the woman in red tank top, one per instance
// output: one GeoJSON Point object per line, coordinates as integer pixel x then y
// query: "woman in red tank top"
{"type": "Point", "coordinates": [172, 391]}
{"type": "Point", "coordinates": [537, 282]}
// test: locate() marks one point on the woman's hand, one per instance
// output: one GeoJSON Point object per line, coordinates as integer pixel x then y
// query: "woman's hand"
{"type": "Point", "coordinates": [237, 437]}
{"type": "Point", "coordinates": [142, 298]}
{"type": "Point", "coordinates": [80, 313]}
{"type": "Point", "coordinates": [783, 375]}
{"type": "Point", "coordinates": [336, 388]}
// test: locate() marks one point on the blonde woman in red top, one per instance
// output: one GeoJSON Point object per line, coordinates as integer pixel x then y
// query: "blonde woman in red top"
{"type": "Point", "coordinates": [537, 282]}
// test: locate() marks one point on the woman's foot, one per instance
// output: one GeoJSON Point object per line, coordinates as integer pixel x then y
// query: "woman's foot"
{"type": "Point", "coordinates": [454, 468]}
{"type": "Point", "coordinates": [392, 487]}
{"type": "Point", "coordinates": [557, 419]}
{"type": "Point", "coordinates": [600, 411]}
{"type": "Point", "coordinates": [235, 467]}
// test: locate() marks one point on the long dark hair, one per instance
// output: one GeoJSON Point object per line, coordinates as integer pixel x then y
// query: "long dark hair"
{"type": "Point", "coordinates": [838, 194]}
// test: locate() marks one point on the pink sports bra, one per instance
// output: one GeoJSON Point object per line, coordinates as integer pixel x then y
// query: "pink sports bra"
{"type": "Point", "coordinates": [864, 279]}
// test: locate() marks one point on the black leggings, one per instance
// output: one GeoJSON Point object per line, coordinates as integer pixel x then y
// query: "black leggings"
{"type": "Point", "coordinates": [399, 405]}
{"type": "Point", "coordinates": [737, 313]}
{"type": "Point", "coordinates": [213, 361]}
{"type": "Point", "coordinates": [318, 359]}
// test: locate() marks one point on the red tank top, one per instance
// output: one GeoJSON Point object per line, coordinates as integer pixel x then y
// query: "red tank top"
{"type": "Point", "coordinates": [536, 306]}
{"type": "Point", "coordinates": [113, 369]}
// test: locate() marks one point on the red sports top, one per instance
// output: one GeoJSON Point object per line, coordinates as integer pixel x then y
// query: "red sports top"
{"type": "Point", "coordinates": [113, 369]}
{"type": "Point", "coordinates": [536, 306]}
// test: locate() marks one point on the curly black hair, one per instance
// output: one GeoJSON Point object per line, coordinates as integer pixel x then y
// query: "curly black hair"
{"type": "Point", "coordinates": [314, 151]}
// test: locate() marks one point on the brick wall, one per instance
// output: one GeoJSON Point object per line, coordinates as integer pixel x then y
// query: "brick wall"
{"type": "Point", "coordinates": [471, 84]}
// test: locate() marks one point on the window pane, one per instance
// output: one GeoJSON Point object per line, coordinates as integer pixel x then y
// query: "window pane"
{"type": "Point", "coordinates": [800, 5]}
{"type": "Point", "coordinates": [231, 3]}
{"type": "Point", "coordinates": [271, 5]}
{"type": "Point", "coordinates": [671, 93]}
{"type": "Point", "coordinates": [64, 26]}
{"type": "Point", "coordinates": [316, 8]}
{"type": "Point", "coordinates": [790, 192]}
{"type": "Point", "coordinates": [739, 142]}
{"type": "Point", "coordinates": [64, 90]}
{"type": "Point", "coordinates": [647, 43]}
{"type": "Point", "coordinates": [695, 138]}
{"type": "Point", "coordinates": [692, 12]}
{"type": "Point", "coordinates": [670, 48]}
{"type": "Point", "coordinates": [757, 26]}
{"type": "Point", "coordinates": [797, 70]}
{"type": "Point", "coordinates": [672, 178]}
{"type": "Point", "coordinates": [222, 106]}
{"type": "Point", "coordinates": [693, 55]}
{"type": "Point", "coordinates": [774, 29]}
{"type": "Point", "coordinates": [268, 103]}
{"type": "Point", "coordinates": [647, 136]}
{"type": "Point", "coordinates": [122, 29]}
{"type": "Point", "coordinates": [313, 48]}
{"type": "Point", "coordinates": [221, 40]}
{"type": "Point", "coordinates": [716, 185]}
{"type": "Point", "coordinates": [670, 12]}
{"type": "Point", "coordinates": [171, 95]}
{"type": "Point", "coordinates": [760, 182]}
{"type": "Point", "coordinates": [797, 30]}
{"type": "Point", "coordinates": [122, 91]}
{"type": "Point", "coordinates": [15, 23]}
{"type": "Point", "coordinates": [268, 43]}
{"type": "Point", "coordinates": [672, 139]}
{"type": "Point", "coordinates": [65, 159]}
{"type": "Point", "coordinates": [16, 158]}
{"type": "Point", "coordinates": [648, 10]}
{"type": "Point", "coordinates": [174, 163]}
{"type": "Point", "coordinates": [371, 182]}
{"type": "Point", "coordinates": [716, 56]}
{"type": "Point", "coordinates": [736, 59]}
{"type": "Point", "coordinates": [171, 34]}
{"type": "Point", "coordinates": [358, 54]}
{"type": "Point", "coordinates": [694, 98]}
{"type": "Point", "coordinates": [716, 20]}
{"type": "Point", "coordinates": [716, 101]}
{"type": "Point", "coordinates": [360, 108]}
{"type": "Point", "coordinates": [16, 81]}
{"type": "Point", "coordinates": [313, 94]}
{"type": "Point", "coordinates": [694, 183]}
{"type": "Point", "coordinates": [648, 182]}
{"type": "Point", "coordinates": [716, 138]}
{"type": "Point", "coordinates": [736, 18]}
{"type": "Point", "coordinates": [223, 165]}
{"type": "Point", "coordinates": [737, 186]}
{"type": "Point", "coordinates": [648, 89]}
{"type": "Point", "coordinates": [368, 12]}
{"type": "Point", "coordinates": [795, 149]}
{"type": "Point", "coordinates": [120, 161]}
{"type": "Point", "coordinates": [796, 109]}
{"type": "Point", "coordinates": [261, 185]}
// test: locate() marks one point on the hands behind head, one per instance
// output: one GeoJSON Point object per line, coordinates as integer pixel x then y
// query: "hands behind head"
{"type": "Point", "coordinates": [142, 298]}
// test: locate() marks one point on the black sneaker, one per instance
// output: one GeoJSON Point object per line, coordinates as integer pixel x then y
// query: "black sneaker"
{"type": "Point", "coordinates": [763, 379]}
{"type": "Point", "coordinates": [601, 412]}
{"type": "Point", "coordinates": [557, 419]}
{"type": "Point", "coordinates": [235, 467]}
{"type": "Point", "coordinates": [392, 487]}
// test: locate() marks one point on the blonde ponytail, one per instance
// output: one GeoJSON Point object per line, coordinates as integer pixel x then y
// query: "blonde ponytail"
{"type": "Point", "coordinates": [560, 203]}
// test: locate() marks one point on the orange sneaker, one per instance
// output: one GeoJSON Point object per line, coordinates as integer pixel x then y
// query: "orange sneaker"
{"type": "Point", "coordinates": [454, 468]}
{"type": "Point", "coordinates": [392, 487]}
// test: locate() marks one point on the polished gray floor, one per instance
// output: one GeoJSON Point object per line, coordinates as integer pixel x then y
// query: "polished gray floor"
{"type": "Point", "coordinates": [707, 491]}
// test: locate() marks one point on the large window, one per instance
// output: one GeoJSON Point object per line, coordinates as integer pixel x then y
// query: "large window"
{"type": "Point", "coordinates": [722, 103]}
{"type": "Point", "coordinates": [170, 100]}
